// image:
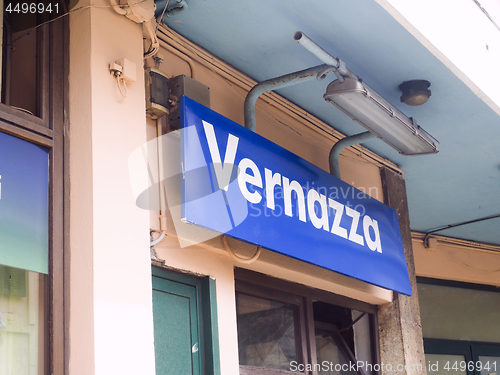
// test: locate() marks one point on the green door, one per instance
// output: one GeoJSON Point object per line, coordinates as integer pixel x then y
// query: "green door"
{"type": "Point", "coordinates": [177, 326]}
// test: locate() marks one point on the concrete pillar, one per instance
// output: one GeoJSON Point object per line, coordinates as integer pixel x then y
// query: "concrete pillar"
{"type": "Point", "coordinates": [400, 331]}
{"type": "Point", "coordinates": [111, 315]}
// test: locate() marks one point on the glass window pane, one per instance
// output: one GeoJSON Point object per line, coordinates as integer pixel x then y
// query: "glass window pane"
{"type": "Point", "coordinates": [489, 365]}
{"type": "Point", "coordinates": [24, 204]}
{"type": "Point", "coordinates": [445, 364]}
{"type": "Point", "coordinates": [332, 359]}
{"type": "Point", "coordinates": [20, 78]}
{"type": "Point", "coordinates": [446, 313]}
{"type": "Point", "coordinates": [22, 320]}
{"type": "Point", "coordinates": [363, 340]}
{"type": "Point", "coordinates": [266, 332]}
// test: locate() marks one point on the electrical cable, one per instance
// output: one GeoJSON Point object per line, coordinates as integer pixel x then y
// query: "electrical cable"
{"type": "Point", "coordinates": [55, 19]}
{"type": "Point", "coordinates": [158, 239]}
{"type": "Point", "coordinates": [64, 15]}
{"type": "Point", "coordinates": [122, 85]}
{"type": "Point", "coordinates": [155, 44]}
{"type": "Point", "coordinates": [427, 234]}
{"type": "Point", "coordinates": [353, 323]}
{"type": "Point", "coordinates": [159, 20]}
{"type": "Point", "coordinates": [183, 56]}
{"type": "Point", "coordinates": [486, 14]}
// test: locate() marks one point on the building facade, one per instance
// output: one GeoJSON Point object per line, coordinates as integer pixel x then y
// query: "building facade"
{"type": "Point", "coordinates": [128, 287]}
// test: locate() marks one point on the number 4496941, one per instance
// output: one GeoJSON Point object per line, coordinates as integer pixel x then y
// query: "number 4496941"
{"type": "Point", "coordinates": [471, 366]}
{"type": "Point", "coordinates": [32, 8]}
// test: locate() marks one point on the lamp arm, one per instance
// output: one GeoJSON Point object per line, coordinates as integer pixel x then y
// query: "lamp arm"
{"type": "Point", "coordinates": [343, 143]}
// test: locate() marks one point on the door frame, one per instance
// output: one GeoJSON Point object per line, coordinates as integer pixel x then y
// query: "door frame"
{"type": "Point", "coordinates": [207, 314]}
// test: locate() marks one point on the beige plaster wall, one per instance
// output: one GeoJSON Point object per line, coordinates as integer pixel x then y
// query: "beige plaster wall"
{"type": "Point", "coordinates": [450, 259]}
{"type": "Point", "coordinates": [111, 326]}
{"type": "Point", "coordinates": [80, 333]}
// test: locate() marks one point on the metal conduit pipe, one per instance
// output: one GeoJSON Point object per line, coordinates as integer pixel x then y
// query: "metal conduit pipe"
{"type": "Point", "coordinates": [319, 52]}
{"type": "Point", "coordinates": [343, 143]}
{"type": "Point", "coordinates": [274, 84]}
{"type": "Point", "coordinates": [161, 185]}
{"type": "Point", "coordinates": [183, 56]}
{"type": "Point", "coordinates": [117, 7]}
{"type": "Point", "coordinates": [158, 240]}
{"type": "Point", "coordinates": [182, 5]}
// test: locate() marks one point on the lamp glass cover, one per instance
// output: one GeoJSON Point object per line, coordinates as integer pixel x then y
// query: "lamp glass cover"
{"type": "Point", "coordinates": [378, 116]}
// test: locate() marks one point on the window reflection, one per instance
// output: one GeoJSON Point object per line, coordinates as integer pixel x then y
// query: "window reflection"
{"type": "Point", "coordinates": [446, 313]}
{"type": "Point", "coordinates": [21, 321]}
{"type": "Point", "coordinates": [330, 356]}
{"type": "Point", "coordinates": [489, 365]}
{"type": "Point", "coordinates": [266, 332]}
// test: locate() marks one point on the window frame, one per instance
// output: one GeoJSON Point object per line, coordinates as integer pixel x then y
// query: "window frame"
{"type": "Point", "coordinates": [249, 289]}
{"type": "Point", "coordinates": [48, 131]}
{"type": "Point", "coordinates": [264, 286]}
{"type": "Point", "coordinates": [471, 350]}
{"type": "Point", "coordinates": [41, 121]}
{"type": "Point", "coordinates": [457, 284]}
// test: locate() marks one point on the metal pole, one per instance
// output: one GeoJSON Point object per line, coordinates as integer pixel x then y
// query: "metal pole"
{"type": "Point", "coordinates": [343, 143]}
{"type": "Point", "coordinates": [319, 52]}
{"type": "Point", "coordinates": [274, 84]}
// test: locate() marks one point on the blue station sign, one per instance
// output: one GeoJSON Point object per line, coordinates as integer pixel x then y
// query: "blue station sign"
{"type": "Point", "coordinates": [236, 182]}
